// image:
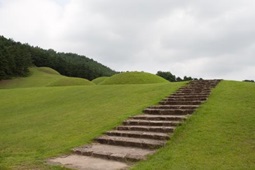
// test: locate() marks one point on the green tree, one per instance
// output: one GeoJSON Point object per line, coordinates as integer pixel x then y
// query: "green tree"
{"type": "Point", "coordinates": [167, 75]}
{"type": "Point", "coordinates": [185, 78]}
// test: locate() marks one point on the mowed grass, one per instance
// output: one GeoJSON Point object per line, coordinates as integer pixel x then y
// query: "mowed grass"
{"type": "Point", "coordinates": [42, 77]}
{"type": "Point", "coordinates": [99, 80]}
{"type": "Point", "coordinates": [71, 81]}
{"type": "Point", "coordinates": [220, 135]}
{"type": "Point", "coordinates": [44, 122]}
{"type": "Point", "coordinates": [133, 78]}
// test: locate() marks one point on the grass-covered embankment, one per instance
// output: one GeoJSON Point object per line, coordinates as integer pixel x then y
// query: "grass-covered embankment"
{"type": "Point", "coordinates": [99, 80]}
{"type": "Point", "coordinates": [133, 78]}
{"type": "Point", "coordinates": [220, 135]}
{"type": "Point", "coordinates": [42, 77]}
{"type": "Point", "coordinates": [39, 123]}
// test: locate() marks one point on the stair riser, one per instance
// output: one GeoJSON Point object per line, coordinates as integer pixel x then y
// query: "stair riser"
{"type": "Point", "coordinates": [160, 118]}
{"type": "Point", "coordinates": [129, 143]}
{"type": "Point", "coordinates": [180, 93]}
{"type": "Point", "coordinates": [185, 99]}
{"type": "Point", "coordinates": [168, 112]}
{"type": "Point", "coordinates": [148, 129]}
{"type": "Point", "coordinates": [195, 88]}
{"type": "Point", "coordinates": [187, 96]}
{"type": "Point", "coordinates": [193, 91]}
{"type": "Point", "coordinates": [192, 107]}
{"type": "Point", "coordinates": [152, 123]}
{"type": "Point", "coordinates": [114, 157]}
{"type": "Point", "coordinates": [179, 103]}
{"type": "Point", "coordinates": [146, 136]}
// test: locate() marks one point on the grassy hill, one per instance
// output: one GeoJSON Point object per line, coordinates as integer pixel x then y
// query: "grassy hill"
{"type": "Point", "coordinates": [133, 78]}
{"type": "Point", "coordinates": [41, 77]}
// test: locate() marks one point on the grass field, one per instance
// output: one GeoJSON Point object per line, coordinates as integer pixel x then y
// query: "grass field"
{"type": "Point", "coordinates": [42, 77]}
{"type": "Point", "coordinates": [220, 135]}
{"type": "Point", "coordinates": [42, 122]}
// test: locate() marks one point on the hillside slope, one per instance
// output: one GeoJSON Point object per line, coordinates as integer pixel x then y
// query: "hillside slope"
{"type": "Point", "coordinates": [41, 77]}
{"type": "Point", "coordinates": [220, 135]}
{"type": "Point", "coordinates": [50, 121]}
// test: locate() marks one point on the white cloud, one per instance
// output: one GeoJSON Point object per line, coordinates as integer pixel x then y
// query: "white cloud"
{"type": "Point", "coordinates": [210, 39]}
{"type": "Point", "coordinates": [29, 20]}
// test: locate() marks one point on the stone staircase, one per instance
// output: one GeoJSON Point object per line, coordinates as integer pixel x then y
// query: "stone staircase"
{"type": "Point", "coordinates": [140, 136]}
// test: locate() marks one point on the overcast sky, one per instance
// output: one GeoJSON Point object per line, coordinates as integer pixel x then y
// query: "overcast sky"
{"type": "Point", "coordinates": [198, 38]}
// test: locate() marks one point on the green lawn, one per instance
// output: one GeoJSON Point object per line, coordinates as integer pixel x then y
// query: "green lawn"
{"type": "Point", "coordinates": [42, 122]}
{"type": "Point", "coordinates": [220, 135]}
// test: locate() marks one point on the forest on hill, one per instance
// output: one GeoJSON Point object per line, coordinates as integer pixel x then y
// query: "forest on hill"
{"type": "Point", "coordinates": [16, 58]}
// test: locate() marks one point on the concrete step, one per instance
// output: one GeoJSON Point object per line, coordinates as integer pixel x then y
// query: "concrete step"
{"type": "Point", "coordinates": [191, 93]}
{"type": "Point", "coordinates": [174, 107]}
{"type": "Point", "coordinates": [134, 142]}
{"type": "Point", "coordinates": [160, 117]}
{"type": "Point", "coordinates": [181, 102]}
{"type": "Point", "coordinates": [112, 152]}
{"type": "Point", "coordinates": [82, 162]}
{"type": "Point", "coordinates": [202, 86]}
{"type": "Point", "coordinates": [162, 129]}
{"type": "Point", "coordinates": [195, 88]}
{"type": "Point", "coordinates": [168, 111]}
{"type": "Point", "coordinates": [151, 122]}
{"type": "Point", "coordinates": [185, 99]}
{"type": "Point", "coordinates": [188, 96]}
{"type": "Point", "coordinates": [139, 134]}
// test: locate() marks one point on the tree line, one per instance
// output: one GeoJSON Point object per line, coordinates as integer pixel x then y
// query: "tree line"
{"type": "Point", "coordinates": [172, 78]}
{"type": "Point", "coordinates": [251, 81]}
{"type": "Point", "coordinates": [16, 58]}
